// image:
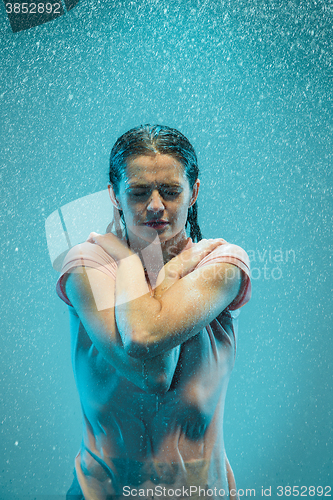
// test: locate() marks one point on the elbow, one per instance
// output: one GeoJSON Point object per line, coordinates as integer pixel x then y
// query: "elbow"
{"type": "Point", "coordinates": [157, 370]}
{"type": "Point", "coordinates": [138, 346]}
{"type": "Point", "coordinates": [157, 385]}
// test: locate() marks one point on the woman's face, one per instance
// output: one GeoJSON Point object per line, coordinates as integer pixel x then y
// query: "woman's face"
{"type": "Point", "coordinates": [155, 197]}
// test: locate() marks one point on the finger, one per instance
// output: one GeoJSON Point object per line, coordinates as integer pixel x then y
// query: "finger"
{"type": "Point", "coordinates": [209, 245]}
{"type": "Point", "coordinates": [92, 237]}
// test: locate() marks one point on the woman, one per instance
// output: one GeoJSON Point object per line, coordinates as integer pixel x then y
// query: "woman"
{"type": "Point", "coordinates": [153, 339]}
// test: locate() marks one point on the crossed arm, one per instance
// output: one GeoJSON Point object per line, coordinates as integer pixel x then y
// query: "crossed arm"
{"type": "Point", "coordinates": [140, 333]}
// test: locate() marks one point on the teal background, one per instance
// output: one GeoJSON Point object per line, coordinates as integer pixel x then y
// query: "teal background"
{"type": "Point", "coordinates": [249, 83]}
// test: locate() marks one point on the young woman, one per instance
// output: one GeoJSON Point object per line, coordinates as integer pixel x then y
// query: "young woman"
{"type": "Point", "coordinates": [152, 331]}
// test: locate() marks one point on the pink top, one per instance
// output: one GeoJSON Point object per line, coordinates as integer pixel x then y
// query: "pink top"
{"type": "Point", "coordinates": [168, 445]}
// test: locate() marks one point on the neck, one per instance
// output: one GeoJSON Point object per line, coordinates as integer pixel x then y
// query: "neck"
{"type": "Point", "coordinates": [150, 250]}
{"type": "Point", "coordinates": [173, 247]}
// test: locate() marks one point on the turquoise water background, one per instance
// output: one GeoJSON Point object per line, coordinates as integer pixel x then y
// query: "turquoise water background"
{"type": "Point", "coordinates": [249, 83]}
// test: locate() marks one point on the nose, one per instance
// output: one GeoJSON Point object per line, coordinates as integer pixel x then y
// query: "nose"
{"type": "Point", "coordinates": [156, 202]}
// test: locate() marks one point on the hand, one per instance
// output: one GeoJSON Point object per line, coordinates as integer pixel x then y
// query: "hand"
{"type": "Point", "coordinates": [111, 244]}
{"type": "Point", "coordinates": [185, 262]}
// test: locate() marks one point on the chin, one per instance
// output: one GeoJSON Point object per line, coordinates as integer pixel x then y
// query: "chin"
{"type": "Point", "coordinates": [143, 234]}
{"type": "Point", "coordinates": [148, 235]}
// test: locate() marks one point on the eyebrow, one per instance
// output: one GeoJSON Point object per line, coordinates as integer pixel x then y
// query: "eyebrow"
{"type": "Point", "coordinates": [135, 185]}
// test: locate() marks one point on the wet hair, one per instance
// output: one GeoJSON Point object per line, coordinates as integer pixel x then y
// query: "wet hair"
{"type": "Point", "coordinates": [149, 140]}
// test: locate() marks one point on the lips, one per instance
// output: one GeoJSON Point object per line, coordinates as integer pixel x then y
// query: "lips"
{"type": "Point", "coordinates": [156, 224]}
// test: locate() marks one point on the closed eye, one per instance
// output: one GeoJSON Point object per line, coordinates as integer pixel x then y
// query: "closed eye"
{"type": "Point", "coordinates": [164, 193]}
{"type": "Point", "coordinates": [140, 193]}
{"type": "Point", "coordinates": [170, 194]}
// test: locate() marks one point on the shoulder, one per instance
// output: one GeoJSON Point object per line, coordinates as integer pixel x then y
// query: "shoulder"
{"type": "Point", "coordinates": [235, 255]}
{"type": "Point", "coordinates": [86, 252]}
{"type": "Point", "coordinates": [86, 255]}
{"type": "Point", "coordinates": [228, 252]}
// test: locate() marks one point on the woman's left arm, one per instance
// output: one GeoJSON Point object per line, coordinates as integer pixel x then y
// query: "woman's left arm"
{"type": "Point", "coordinates": [152, 325]}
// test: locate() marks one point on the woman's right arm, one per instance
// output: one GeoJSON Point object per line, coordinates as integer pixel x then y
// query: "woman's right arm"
{"type": "Point", "coordinates": [92, 293]}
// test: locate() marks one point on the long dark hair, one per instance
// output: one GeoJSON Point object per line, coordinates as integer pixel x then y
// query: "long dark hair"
{"type": "Point", "coordinates": [151, 139]}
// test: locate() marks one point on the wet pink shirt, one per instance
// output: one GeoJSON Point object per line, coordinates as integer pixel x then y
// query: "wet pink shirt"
{"type": "Point", "coordinates": [155, 446]}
